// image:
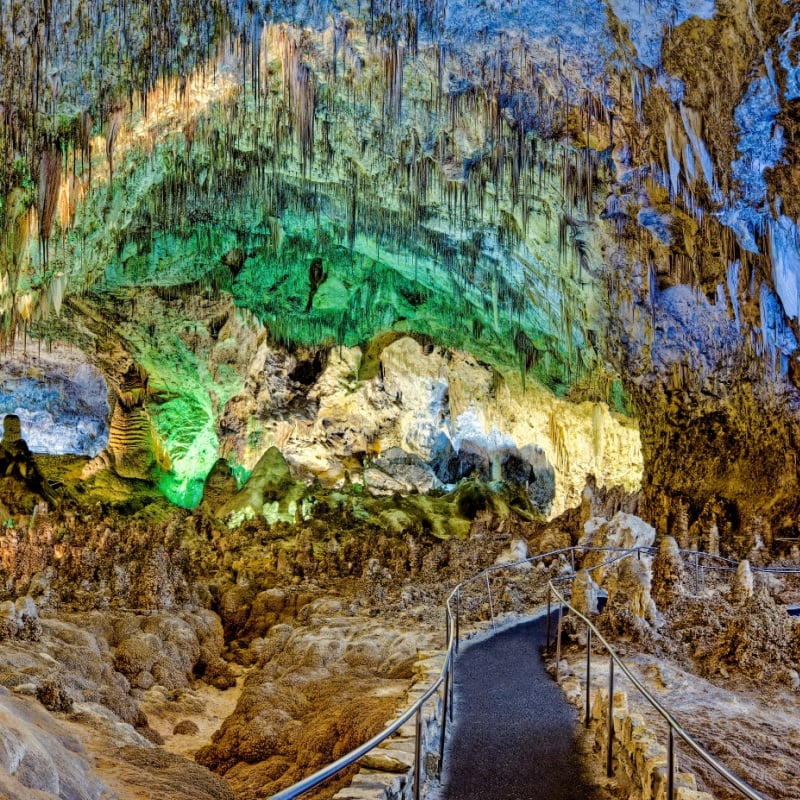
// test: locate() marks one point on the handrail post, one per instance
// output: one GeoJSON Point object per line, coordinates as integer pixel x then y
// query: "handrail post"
{"type": "Point", "coordinates": [458, 613]}
{"type": "Point", "coordinates": [558, 638]}
{"type": "Point", "coordinates": [671, 765]}
{"type": "Point", "coordinates": [609, 755]}
{"type": "Point", "coordinates": [696, 564]}
{"type": "Point", "coordinates": [491, 604]}
{"type": "Point", "coordinates": [418, 754]}
{"type": "Point", "coordinates": [547, 640]}
{"type": "Point", "coordinates": [446, 680]}
{"type": "Point", "coordinates": [572, 558]}
{"type": "Point", "coordinates": [444, 722]}
{"type": "Point", "coordinates": [451, 673]}
{"type": "Point", "coordinates": [703, 578]}
{"type": "Point", "coordinates": [588, 674]}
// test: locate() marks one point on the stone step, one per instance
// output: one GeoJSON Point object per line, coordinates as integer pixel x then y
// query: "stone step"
{"type": "Point", "coordinates": [387, 760]}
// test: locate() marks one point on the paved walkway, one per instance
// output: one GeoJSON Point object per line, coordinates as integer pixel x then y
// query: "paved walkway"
{"type": "Point", "coordinates": [514, 733]}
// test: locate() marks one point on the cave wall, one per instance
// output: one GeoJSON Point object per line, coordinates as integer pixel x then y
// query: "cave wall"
{"type": "Point", "coordinates": [343, 176]}
{"type": "Point", "coordinates": [705, 329]}
{"type": "Point", "coordinates": [60, 397]}
{"type": "Point", "coordinates": [440, 410]}
{"type": "Point", "coordinates": [600, 199]}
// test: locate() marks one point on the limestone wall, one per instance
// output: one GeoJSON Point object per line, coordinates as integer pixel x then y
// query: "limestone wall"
{"type": "Point", "coordinates": [387, 772]}
{"type": "Point", "coordinates": [432, 404]}
{"type": "Point", "coordinates": [639, 755]}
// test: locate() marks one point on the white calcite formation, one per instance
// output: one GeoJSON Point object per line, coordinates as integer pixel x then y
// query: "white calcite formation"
{"type": "Point", "coordinates": [59, 396]}
{"type": "Point", "coordinates": [40, 759]}
{"type": "Point", "coordinates": [627, 580]}
{"type": "Point", "coordinates": [584, 593]}
{"type": "Point", "coordinates": [428, 414]}
{"type": "Point", "coordinates": [743, 584]}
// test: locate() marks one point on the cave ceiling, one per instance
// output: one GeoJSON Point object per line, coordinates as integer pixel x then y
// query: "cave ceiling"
{"type": "Point", "coordinates": [598, 196]}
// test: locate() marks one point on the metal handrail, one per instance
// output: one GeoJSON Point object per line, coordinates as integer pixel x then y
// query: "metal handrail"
{"type": "Point", "coordinates": [674, 726]}
{"type": "Point", "coordinates": [730, 564]}
{"type": "Point", "coordinates": [328, 771]}
{"type": "Point", "coordinates": [727, 565]}
{"type": "Point", "coordinates": [445, 676]}
{"type": "Point", "coordinates": [448, 668]}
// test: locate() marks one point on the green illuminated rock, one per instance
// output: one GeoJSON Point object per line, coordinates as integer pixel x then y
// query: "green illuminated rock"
{"type": "Point", "coordinates": [270, 491]}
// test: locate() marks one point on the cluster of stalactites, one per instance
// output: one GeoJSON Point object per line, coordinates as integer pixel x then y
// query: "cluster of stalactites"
{"type": "Point", "coordinates": [382, 130]}
{"type": "Point", "coordinates": [68, 70]}
{"type": "Point", "coordinates": [742, 250]}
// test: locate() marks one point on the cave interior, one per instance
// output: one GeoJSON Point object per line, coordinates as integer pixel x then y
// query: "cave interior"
{"type": "Point", "coordinates": [309, 303]}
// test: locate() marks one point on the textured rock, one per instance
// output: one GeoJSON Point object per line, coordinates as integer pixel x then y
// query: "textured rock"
{"type": "Point", "coordinates": [517, 550]}
{"type": "Point", "coordinates": [639, 759]}
{"type": "Point", "coordinates": [132, 451]}
{"type": "Point", "coordinates": [623, 530]}
{"type": "Point", "coordinates": [301, 679]}
{"type": "Point", "coordinates": [584, 593]}
{"type": "Point", "coordinates": [186, 728]}
{"type": "Point", "coordinates": [171, 775]}
{"type": "Point", "coordinates": [40, 758]}
{"type": "Point", "coordinates": [686, 337]}
{"type": "Point", "coordinates": [59, 398]}
{"type": "Point", "coordinates": [388, 760]}
{"type": "Point", "coordinates": [269, 491]}
{"type": "Point", "coordinates": [684, 288]}
{"type": "Point", "coordinates": [669, 574]}
{"type": "Point", "coordinates": [266, 584]}
{"type": "Point", "coordinates": [220, 486]}
{"type": "Point", "coordinates": [408, 472]}
{"type": "Point", "coordinates": [630, 588]}
{"type": "Point", "coordinates": [12, 430]}
{"type": "Point", "coordinates": [429, 415]}
{"type": "Point", "coordinates": [742, 585]}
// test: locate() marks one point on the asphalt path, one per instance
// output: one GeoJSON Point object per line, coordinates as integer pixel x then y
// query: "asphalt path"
{"type": "Point", "coordinates": [514, 734]}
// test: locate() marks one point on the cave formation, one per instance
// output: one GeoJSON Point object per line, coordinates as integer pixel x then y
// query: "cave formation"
{"type": "Point", "coordinates": [303, 301]}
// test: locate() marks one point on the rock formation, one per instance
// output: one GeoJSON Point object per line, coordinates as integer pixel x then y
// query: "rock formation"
{"type": "Point", "coordinates": [669, 573]}
{"type": "Point", "coordinates": [346, 300]}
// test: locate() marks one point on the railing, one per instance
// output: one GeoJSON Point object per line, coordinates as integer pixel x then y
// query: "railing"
{"type": "Point", "coordinates": [703, 563]}
{"type": "Point", "coordinates": [723, 564]}
{"type": "Point", "coordinates": [322, 775]}
{"type": "Point", "coordinates": [446, 678]}
{"type": "Point", "coordinates": [675, 728]}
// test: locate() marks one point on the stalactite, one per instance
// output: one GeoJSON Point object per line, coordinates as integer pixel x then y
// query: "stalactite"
{"type": "Point", "coordinates": [558, 439]}
{"type": "Point", "coordinates": [598, 434]}
{"type": "Point", "coordinates": [392, 55]}
{"type": "Point", "coordinates": [368, 189]}
{"type": "Point", "coordinates": [114, 127]}
{"type": "Point", "coordinates": [299, 86]}
{"type": "Point", "coordinates": [84, 141]}
{"type": "Point", "coordinates": [563, 237]}
{"type": "Point", "coordinates": [342, 26]}
{"type": "Point", "coordinates": [711, 544]}
{"type": "Point", "coordinates": [49, 186]}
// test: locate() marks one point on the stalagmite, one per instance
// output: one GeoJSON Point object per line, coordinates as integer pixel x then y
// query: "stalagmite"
{"type": "Point", "coordinates": [742, 584]}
